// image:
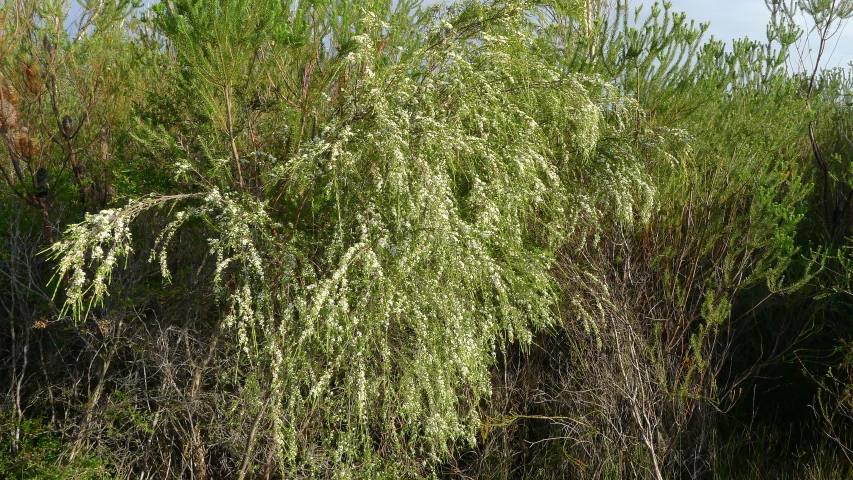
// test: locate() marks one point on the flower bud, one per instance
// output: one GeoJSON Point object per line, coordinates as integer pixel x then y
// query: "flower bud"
{"type": "Point", "coordinates": [8, 94]}
{"type": "Point", "coordinates": [8, 116]}
{"type": "Point", "coordinates": [32, 77]}
{"type": "Point", "coordinates": [67, 127]}
{"type": "Point", "coordinates": [27, 145]}
{"type": "Point", "coordinates": [42, 189]}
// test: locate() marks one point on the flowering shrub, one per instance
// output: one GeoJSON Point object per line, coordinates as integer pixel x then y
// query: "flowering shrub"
{"type": "Point", "coordinates": [370, 270]}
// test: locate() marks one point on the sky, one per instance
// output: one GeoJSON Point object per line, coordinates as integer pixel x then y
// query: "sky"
{"type": "Point", "coordinates": [748, 18]}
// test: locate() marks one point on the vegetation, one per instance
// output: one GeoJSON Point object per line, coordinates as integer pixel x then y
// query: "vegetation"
{"type": "Point", "coordinates": [375, 239]}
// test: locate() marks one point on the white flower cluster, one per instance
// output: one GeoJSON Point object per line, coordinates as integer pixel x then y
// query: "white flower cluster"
{"type": "Point", "coordinates": [428, 205]}
{"type": "Point", "coordinates": [93, 246]}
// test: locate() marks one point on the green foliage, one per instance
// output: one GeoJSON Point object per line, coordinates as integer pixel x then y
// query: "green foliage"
{"type": "Point", "coordinates": [387, 235]}
{"type": "Point", "coordinates": [39, 455]}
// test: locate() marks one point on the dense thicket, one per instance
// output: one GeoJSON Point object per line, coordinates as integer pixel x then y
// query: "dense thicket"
{"type": "Point", "coordinates": [269, 239]}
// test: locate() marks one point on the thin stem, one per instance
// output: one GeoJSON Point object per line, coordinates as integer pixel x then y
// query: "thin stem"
{"type": "Point", "coordinates": [229, 125]}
